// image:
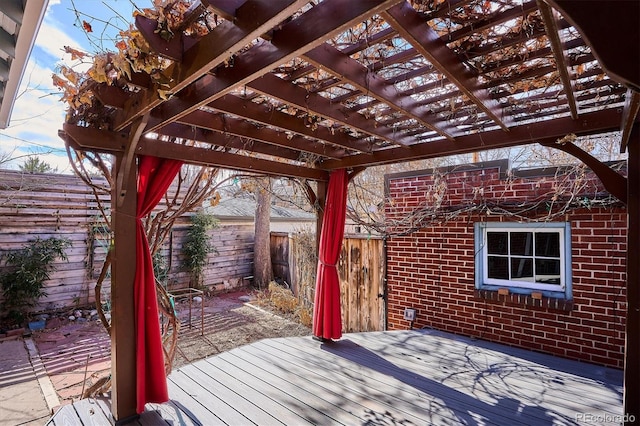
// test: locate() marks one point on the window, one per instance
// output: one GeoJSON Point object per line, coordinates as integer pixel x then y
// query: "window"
{"type": "Point", "coordinates": [524, 257]}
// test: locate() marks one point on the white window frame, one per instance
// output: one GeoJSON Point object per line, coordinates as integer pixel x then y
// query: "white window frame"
{"type": "Point", "coordinates": [563, 289]}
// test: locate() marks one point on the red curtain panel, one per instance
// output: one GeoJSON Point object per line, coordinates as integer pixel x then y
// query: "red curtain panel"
{"type": "Point", "coordinates": [154, 177]}
{"type": "Point", "coordinates": [327, 320]}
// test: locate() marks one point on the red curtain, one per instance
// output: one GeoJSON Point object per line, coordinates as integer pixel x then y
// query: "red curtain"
{"type": "Point", "coordinates": [154, 177]}
{"type": "Point", "coordinates": [327, 320]}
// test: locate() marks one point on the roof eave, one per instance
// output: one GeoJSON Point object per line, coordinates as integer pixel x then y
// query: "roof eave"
{"type": "Point", "coordinates": [32, 18]}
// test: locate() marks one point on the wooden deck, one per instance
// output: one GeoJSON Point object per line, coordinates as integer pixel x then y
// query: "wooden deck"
{"type": "Point", "coordinates": [416, 377]}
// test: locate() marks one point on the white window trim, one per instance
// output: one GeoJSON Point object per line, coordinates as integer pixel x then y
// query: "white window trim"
{"type": "Point", "coordinates": [551, 290]}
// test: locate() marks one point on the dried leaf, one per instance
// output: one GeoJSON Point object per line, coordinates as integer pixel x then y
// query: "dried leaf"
{"type": "Point", "coordinates": [70, 75]}
{"type": "Point", "coordinates": [164, 94]}
{"type": "Point", "coordinates": [75, 53]}
{"type": "Point", "coordinates": [87, 26]}
{"type": "Point", "coordinates": [58, 82]}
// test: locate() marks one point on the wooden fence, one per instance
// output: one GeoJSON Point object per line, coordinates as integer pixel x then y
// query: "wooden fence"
{"type": "Point", "coordinates": [361, 270]}
{"type": "Point", "coordinates": [53, 205]}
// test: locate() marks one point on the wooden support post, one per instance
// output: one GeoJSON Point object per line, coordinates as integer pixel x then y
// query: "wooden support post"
{"type": "Point", "coordinates": [321, 200]}
{"type": "Point", "coordinates": [123, 269]}
{"type": "Point", "coordinates": [632, 348]}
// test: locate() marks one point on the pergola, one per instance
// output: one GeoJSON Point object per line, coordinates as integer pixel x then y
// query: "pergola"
{"type": "Point", "coordinates": [302, 88]}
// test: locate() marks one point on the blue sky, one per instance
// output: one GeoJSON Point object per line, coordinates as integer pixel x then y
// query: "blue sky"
{"type": "Point", "coordinates": [38, 113]}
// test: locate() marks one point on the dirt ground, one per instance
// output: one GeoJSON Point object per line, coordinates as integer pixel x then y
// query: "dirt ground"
{"type": "Point", "coordinates": [77, 354]}
{"type": "Point", "coordinates": [229, 323]}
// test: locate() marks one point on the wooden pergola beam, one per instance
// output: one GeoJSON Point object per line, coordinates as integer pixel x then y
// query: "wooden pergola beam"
{"type": "Point", "coordinates": [307, 31]}
{"type": "Point", "coordinates": [550, 19]}
{"type": "Point", "coordinates": [225, 141]}
{"type": "Point", "coordinates": [268, 115]}
{"type": "Point", "coordinates": [614, 182]}
{"type": "Point", "coordinates": [224, 8]}
{"type": "Point", "coordinates": [234, 126]}
{"type": "Point", "coordinates": [629, 114]}
{"type": "Point", "coordinates": [590, 123]}
{"type": "Point", "coordinates": [356, 74]}
{"type": "Point", "coordinates": [91, 139]}
{"type": "Point", "coordinates": [208, 157]}
{"type": "Point", "coordinates": [491, 21]}
{"type": "Point", "coordinates": [262, 116]}
{"type": "Point", "coordinates": [425, 40]}
{"type": "Point", "coordinates": [291, 94]}
{"type": "Point", "coordinates": [250, 20]}
{"type": "Point", "coordinates": [521, 37]}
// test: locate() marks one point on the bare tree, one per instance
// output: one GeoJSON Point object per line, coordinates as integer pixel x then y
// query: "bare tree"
{"type": "Point", "coordinates": [262, 270]}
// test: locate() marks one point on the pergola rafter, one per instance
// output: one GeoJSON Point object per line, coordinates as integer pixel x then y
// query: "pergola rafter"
{"type": "Point", "coordinates": [287, 42]}
{"type": "Point", "coordinates": [407, 22]}
{"type": "Point", "coordinates": [212, 50]}
{"type": "Point", "coordinates": [359, 76]}
{"type": "Point", "coordinates": [550, 21]}
{"type": "Point", "coordinates": [291, 94]}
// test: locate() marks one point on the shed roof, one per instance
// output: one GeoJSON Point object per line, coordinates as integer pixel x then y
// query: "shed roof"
{"type": "Point", "coordinates": [244, 208]}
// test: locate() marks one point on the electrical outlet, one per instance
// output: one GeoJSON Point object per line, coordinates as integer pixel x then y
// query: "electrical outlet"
{"type": "Point", "coordinates": [410, 314]}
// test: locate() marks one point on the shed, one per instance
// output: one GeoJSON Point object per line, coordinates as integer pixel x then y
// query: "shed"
{"type": "Point", "coordinates": [241, 210]}
{"type": "Point", "coordinates": [529, 258]}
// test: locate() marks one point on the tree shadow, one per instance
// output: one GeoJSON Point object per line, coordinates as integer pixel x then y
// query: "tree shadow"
{"type": "Point", "coordinates": [445, 404]}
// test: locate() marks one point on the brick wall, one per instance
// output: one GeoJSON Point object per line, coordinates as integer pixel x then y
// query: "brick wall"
{"type": "Point", "coordinates": [430, 261]}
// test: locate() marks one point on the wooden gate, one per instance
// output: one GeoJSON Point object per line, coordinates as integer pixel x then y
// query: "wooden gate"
{"type": "Point", "coordinates": [361, 271]}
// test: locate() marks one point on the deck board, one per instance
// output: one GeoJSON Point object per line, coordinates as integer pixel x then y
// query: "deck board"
{"type": "Point", "coordinates": [401, 390]}
{"type": "Point", "coordinates": [196, 403]}
{"type": "Point", "coordinates": [235, 402]}
{"type": "Point", "coordinates": [411, 377]}
{"type": "Point", "coordinates": [368, 392]}
{"type": "Point", "coordinates": [315, 395]}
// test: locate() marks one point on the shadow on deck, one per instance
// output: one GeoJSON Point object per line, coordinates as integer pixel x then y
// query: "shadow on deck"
{"type": "Point", "coordinates": [415, 377]}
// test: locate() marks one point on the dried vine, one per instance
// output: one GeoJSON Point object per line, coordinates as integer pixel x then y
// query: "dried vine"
{"type": "Point", "coordinates": [572, 188]}
{"type": "Point", "coordinates": [192, 187]}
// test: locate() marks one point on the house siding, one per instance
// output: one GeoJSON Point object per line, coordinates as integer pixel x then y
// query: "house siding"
{"type": "Point", "coordinates": [431, 268]}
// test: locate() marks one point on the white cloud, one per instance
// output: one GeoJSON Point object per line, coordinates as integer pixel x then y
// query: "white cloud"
{"type": "Point", "coordinates": [52, 39]}
{"type": "Point", "coordinates": [37, 116]}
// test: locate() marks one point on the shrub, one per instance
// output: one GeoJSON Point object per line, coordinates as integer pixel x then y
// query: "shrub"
{"type": "Point", "coordinates": [197, 247]}
{"type": "Point", "coordinates": [27, 269]}
{"type": "Point", "coordinates": [282, 298]}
